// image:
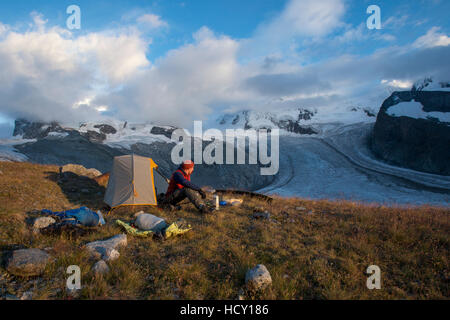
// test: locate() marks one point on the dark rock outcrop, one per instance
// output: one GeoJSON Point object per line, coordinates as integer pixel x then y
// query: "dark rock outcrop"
{"type": "Point", "coordinates": [167, 131]}
{"type": "Point", "coordinates": [419, 144]}
{"type": "Point", "coordinates": [36, 130]}
{"type": "Point", "coordinates": [106, 129]}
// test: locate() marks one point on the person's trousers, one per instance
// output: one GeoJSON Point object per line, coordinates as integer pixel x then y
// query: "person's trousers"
{"type": "Point", "coordinates": [180, 194]}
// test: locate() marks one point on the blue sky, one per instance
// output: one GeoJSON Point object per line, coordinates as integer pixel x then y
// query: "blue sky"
{"type": "Point", "coordinates": [193, 59]}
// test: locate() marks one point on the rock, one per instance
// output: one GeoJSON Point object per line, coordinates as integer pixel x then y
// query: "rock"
{"type": "Point", "coordinates": [106, 129]}
{"type": "Point", "coordinates": [300, 208]}
{"type": "Point", "coordinates": [27, 262]}
{"type": "Point", "coordinates": [258, 278]}
{"type": "Point", "coordinates": [261, 215]}
{"type": "Point", "coordinates": [241, 294]}
{"type": "Point", "coordinates": [100, 268]}
{"type": "Point", "coordinates": [94, 136]}
{"type": "Point", "coordinates": [107, 249]}
{"type": "Point", "coordinates": [28, 295]}
{"type": "Point", "coordinates": [36, 130]}
{"type": "Point", "coordinates": [111, 255]}
{"type": "Point", "coordinates": [165, 131]}
{"type": "Point", "coordinates": [42, 222]}
{"type": "Point", "coordinates": [418, 144]}
{"type": "Point", "coordinates": [11, 297]}
{"type": "Point", "coordinates": [80, 170]}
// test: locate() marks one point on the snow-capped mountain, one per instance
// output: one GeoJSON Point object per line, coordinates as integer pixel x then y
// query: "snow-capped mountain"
{"type": "Point", "coordinates": [299, 121]}
{"type": "Point", "coordinates": [113, 133]}
{"type": "Point", "coordinates": [429, 84]}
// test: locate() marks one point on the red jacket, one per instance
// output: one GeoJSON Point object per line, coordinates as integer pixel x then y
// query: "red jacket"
{"type": "Point", "coordinates": [173, 185]}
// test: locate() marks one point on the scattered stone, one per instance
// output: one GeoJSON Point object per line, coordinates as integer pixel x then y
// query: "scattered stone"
{"type": "Point", "coordinates": [85, 191]}
{"type": "Point", "coordinates": [261, 215]}
{"type": "Point", "coordinates": [111, 254]}
{"type": "Point", "coordinates": [1, 172]}
{"type": "Point", "coordinates": [10, 297]}
{"type": "Point", "coordinates": [300, 209]}
{"type": "Point", "coordinates": [42, 222]}
{"type": "Point", "coordinates": [258, 278]}
{"type": "Point", "coordinates": [241, 294]}
{"type": "Point", "coordinates": [107, 249]}
{"type": "Point", "coordinates": [28, 295]}
{"type": "Point", "coordinates": [80, 170]}
{"type": "Point", "coordinates": [27, 262]}
{"type": "Point", "coordinates": [100, 268]}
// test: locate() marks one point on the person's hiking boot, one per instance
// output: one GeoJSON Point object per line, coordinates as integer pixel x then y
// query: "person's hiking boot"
{"type": "Point", "coordinates": [206, 210]}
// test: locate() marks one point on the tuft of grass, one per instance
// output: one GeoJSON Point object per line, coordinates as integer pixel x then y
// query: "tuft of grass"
{"type": "Point", "coordinates": [320, 251]}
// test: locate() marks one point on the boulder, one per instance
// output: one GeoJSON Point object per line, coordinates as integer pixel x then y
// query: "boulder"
{"type": "Point", "coordinates": [258, 278]}
{"type": "Point", "coordinates": [107, 249]}
{"type": "Point", "coordinates": [27, 262]}
{"type": "Point", "coordinates": [80, 170]}
{"type": "Point", "coordinates": [100, 268]}
{"type": "Point", "coordinates": [28, 295]}
{"type": "Point", "coordinates": [42, 222]}
{"type": "Point", "coordinates": [261, 215]}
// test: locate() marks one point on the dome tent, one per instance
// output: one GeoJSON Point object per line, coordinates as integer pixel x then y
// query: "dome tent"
{"type": "Point", "coordinates": [133, 182]}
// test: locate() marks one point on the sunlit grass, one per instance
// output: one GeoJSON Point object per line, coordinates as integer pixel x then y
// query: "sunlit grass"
{"type": "Point", "coordinates": [321, 252]}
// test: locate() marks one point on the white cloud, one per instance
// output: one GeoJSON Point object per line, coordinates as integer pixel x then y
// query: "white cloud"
{"type": "Point", "coordinates": [81, 77]}
{"type": "Point", "coordinates": [402, 84]}
{"type": "Point", "coordinates": [308, 18]}
{"type": "Point", "coordinates": [183, 84]}
{"type": "Point", "coordinates": [433, 38]}
{"type": "Point", "coordinates": [152, 20]}
{"type": "Point", "coordinates": [45, 71]}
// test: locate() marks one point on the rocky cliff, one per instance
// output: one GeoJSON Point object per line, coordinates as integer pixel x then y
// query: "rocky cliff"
{"type": "Point", "coordinates": [413, 130]}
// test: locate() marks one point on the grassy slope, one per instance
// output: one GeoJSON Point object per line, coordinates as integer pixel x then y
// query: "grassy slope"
{"type": "Point", "coordinates": [322, 255]}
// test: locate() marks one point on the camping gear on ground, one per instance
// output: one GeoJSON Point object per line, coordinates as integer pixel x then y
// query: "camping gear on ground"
{"type": "Point", "coordinates": [223, 203]}
{"type": "Point", "coordinates": [176, 228]}
{"type": "Point", "coordinates": [235, 202]}
{"type": "Point", "coordinates": [217, 202]}
{"type": "Point", "coordinates": [149, 222]}
{"type": "Point", "coordinates": [68, 227]}
{"type": "Point", "coordinates": [83, 216]}
{"type": "Point", "coordinates": [133, 182]}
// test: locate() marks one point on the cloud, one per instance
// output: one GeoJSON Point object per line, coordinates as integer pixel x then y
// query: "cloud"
{"type": "Point", "coordinates": [84, 77]}
{"type": "Point", "coordinates": [306, 18]}
{"type": "Point", "coordinates": [153, 21]}
{"type": "Point", "coordinates": [47, 71]}
{"type": "Point", "coordinates": [183, 84]}
{"type": "Point", "coordinates": [433, 38]}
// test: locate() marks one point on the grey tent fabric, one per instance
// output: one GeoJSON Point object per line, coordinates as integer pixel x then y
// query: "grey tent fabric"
{"type": "Point", "coordinates": [133, 182]}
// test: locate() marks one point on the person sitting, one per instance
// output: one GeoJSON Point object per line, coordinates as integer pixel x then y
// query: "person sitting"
{"type": "Point", "coordinates": [181, 187]}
